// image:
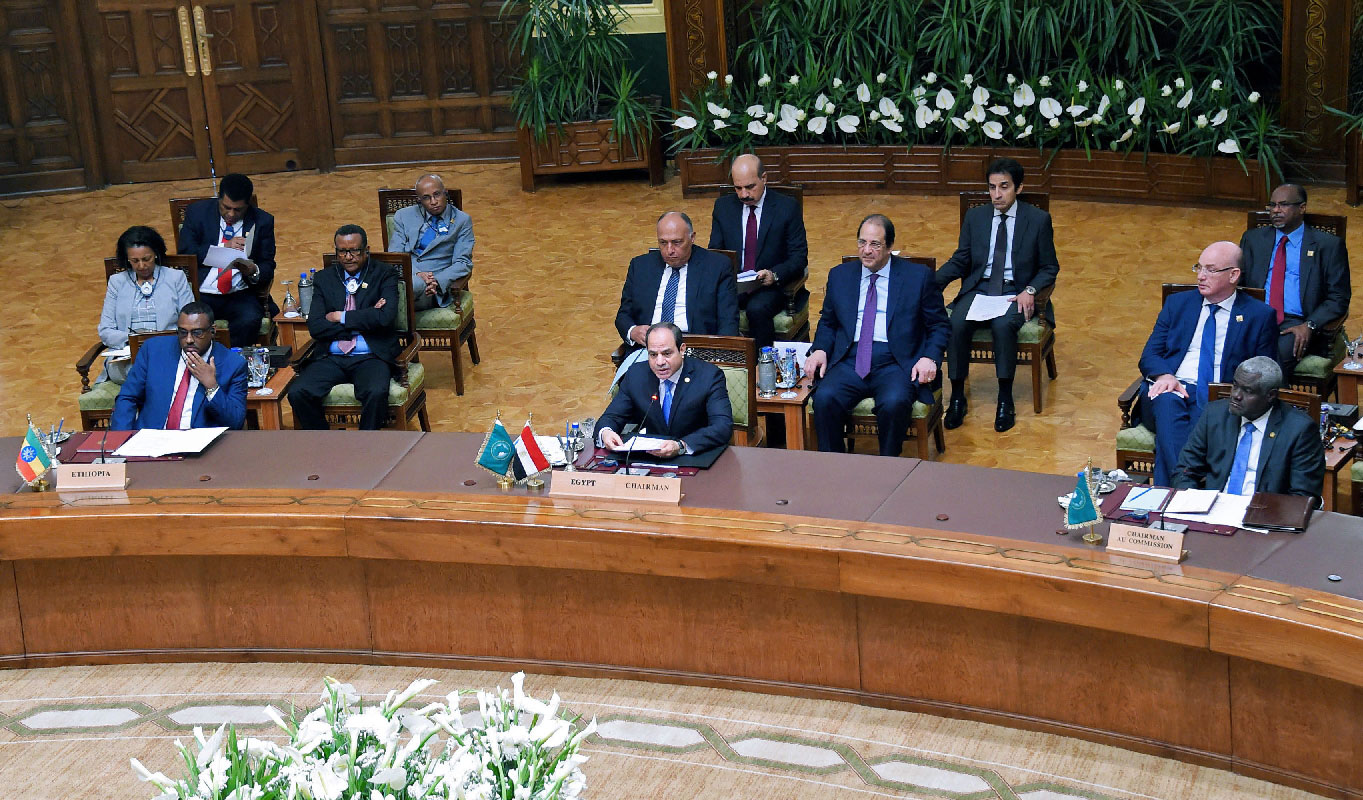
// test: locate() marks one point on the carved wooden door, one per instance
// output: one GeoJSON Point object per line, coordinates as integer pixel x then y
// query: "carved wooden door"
{"type": "Point", "coordinates": [189, 90]}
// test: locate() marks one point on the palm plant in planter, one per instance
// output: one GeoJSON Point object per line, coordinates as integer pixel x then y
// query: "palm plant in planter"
{"type": "Point", "coordinates": [578, 102]}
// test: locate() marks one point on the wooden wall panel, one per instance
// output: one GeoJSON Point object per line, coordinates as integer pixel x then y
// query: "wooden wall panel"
{"type": "Point", "coordinates": [1316, 40]}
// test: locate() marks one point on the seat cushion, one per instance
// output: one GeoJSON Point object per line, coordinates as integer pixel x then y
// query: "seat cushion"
{"type": "Point", "coordinates": [391, 225]}
{"type": "Point", "coordinates": [1314, 367]}
{"type": "Point", "coordinates": [100, 397]}
{"type": "Point", "coordinates": [343, 394]}
{"type": "Point", "coordinates": [266, 325]}
{"type": "Point", "coordinates": [1031, 333]}
{"type": "Point", "coordinates": [1138, 438]}
{"type": "Point", "coordinates": [787, 325]}
{"type": "Point", "coordinates": [736, 381]}
{"type": "Point", "coordinates": [867, 407]}
{"type": "Point", "coordinates": [1356, 473]}
{"type": "Point", "coordinates": [448, 318]}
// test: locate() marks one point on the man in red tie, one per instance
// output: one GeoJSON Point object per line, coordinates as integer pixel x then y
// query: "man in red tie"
{"type": "Point", "coordinates": [767, 230]}
{"type": "Point", "coordinates": [185, 381]}
{"type": "Point", "coordinates": [1303, 271]}
{"type": "Point", "coordinates": [352, 322]}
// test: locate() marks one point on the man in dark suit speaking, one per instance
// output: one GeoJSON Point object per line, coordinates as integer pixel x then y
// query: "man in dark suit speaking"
{"type": "Point", "coordinates": [1252, 441]}
{"type": "Point", "coordinates": [683, 399]}
{"type": "Point", "coordinates": [767, 230]}
{"type": "Point", "coordinates": [1007, 249]}
{"type": "Point", "coordinates": [1304, 273]}
{"type": "Point", "coordinates": [881, 334]}
{"type": "Point", "coordinates": [679, 283]}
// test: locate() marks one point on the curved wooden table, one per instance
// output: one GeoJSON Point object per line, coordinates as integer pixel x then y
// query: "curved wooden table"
{"type": "Point", "coordinates": [788, 572]}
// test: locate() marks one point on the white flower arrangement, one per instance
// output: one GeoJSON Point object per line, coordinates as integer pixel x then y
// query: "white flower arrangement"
{"type": "Point", "coordinates": [522, 749]}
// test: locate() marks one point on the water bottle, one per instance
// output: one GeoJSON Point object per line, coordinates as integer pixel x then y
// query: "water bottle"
{"type": "Point", "coordinates": [788, 375]}
{"type": "Point", "coordinates": [766, 373]}
{"type": "Point", "coordinates": [305, 292]}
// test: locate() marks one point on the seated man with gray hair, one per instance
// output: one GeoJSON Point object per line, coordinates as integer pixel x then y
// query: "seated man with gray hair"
{"type": "Point", "coordinates": [440, 239]}
{"type": "Point", "coordinates": [1252, 441]}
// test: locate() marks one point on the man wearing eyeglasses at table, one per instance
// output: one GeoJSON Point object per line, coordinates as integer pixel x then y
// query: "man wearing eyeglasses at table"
{"type": "Point", "coordinates": [185, 381]}
{"type": "Point", "coordinates": [352, 324]}
{"type": "Point", "coordinates": [1304, 273]}
{"type": "Point", "coordinates": [1200, 337]}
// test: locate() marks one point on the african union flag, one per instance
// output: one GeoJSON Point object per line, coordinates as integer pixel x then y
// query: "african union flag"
{"type": "Point", "coordinates": [33, 460]}
{"type": "Point", "coordinates": [498, 450]}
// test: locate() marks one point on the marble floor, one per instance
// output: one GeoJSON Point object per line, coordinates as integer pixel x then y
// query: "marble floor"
{"type": "Point", "coordinates": [548, 271]}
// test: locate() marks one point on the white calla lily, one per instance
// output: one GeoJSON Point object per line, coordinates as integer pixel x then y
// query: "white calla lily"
{"type": "Point", "coordinates": [848, 123]}
{"type": "Point", "coordinates": [1137, 107]}
{"type": "Point", "coordinates": [887, 107]}
{"type": "Point", "coordinates": [975, 114]}
{"type": "Point", "coordinates": [685, 123]}
{"type": "Point", "coordinates": [1171, 127]}
{"type": "Point", "coordinates": [1023, 96]}
{"type": "Point", "coordinates": [863, 93]}
{"type": "Point", "coordinates": [817, 125]}
{"type": "Point", "coordinates": [1229, 147]}
{"type": "Point", "coordinates": [980, 96]}
{"type": "Point", "coordinates": [1103, 105]}
{"type": "Point", "coordinates": [892, 125]}
{"type": "Point", "coordinates": [757, 128]}
{"type": "Point", "coordinates": [1185, 100]}
{"type": "Point", "coordinates": [960, 123]}
{"type": "Point", "coordinates": [1219, 118]}
{"type": "Point", "coordinates": [1049, 108]}
{"type": "Point", "coordinates": [922, 116]}
{"type": "Point", "coordinates": [993, 129]}
{"type": "Point", "coordinates": [756, 111]}
{"type": "Point", "coordinates": [945, 100]}
{"type": "Point", "coordinates": [1077, 110]}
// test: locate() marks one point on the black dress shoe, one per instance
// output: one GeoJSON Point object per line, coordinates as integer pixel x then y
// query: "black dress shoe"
{"type": "Point", "coordinates": [955, 413]}
{"type": "Point", "coordinates": [1004, 417]}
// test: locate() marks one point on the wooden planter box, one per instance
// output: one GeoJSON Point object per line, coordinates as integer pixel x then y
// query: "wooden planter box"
{"type": "Point", "coordinates": [1135, 178]}
{"type": "Point", "coordinates": [586, 147]}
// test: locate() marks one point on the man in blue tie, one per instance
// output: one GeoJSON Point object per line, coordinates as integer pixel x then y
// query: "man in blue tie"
{"type": "Point", "coordinates": [1252, 441]}
{"type": "Point", "coordinates": [440, 239]}
{"type": "Point", "coordinates": [1200, 337]}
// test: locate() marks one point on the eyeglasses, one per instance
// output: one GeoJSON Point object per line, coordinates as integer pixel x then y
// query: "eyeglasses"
{"type": "Point", "coordinates": [875, 247]}
{"type": "Point", "coordinates": [436, 195]}
{"type": "Point", "coordinates": [349, 253]}
{"type": "Point", "coordinates": [1198, 269]}
{"type": "Point", "coordinates": [1283, 206]}
{"type": "Point", "coordinates": [197, 333]}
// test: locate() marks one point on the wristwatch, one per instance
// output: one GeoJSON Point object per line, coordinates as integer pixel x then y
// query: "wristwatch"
{"type": "Point", "coordinates": [1030, 290]}
{"type": "Point", "coordinates": [1311, 324]}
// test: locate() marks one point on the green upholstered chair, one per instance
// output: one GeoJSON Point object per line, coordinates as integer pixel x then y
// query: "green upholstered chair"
{"type": "Point", "coordinates": [178, 207]}
{"type": "Point", "coordinates": [736, 357]}
{"type": "Point", "coordinates": [441, 329]}
{"type": "Point", "coordinates": [1356, 478]}
{"type": "Point", "coordinates": [1036, 340]}
{"type": "Point", "coordinates": [1315, 373]}
{"type": "Point", "coordinates": [792, 323]}
{"type": "Point", "coordinates": [925, 424]}
{"type": "Point", "coordinates": [97, 402]}
{"type": "Point", "coordinates": [407, 392]}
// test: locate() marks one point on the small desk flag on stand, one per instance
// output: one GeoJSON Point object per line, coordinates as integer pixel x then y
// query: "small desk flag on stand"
{"type": "Point", "coordinates": [33, 460]}
{"type": "Point", "coordinates": [1083, 509]}
{"type": "Point", "coordinates": [529, 461]}
{"type": "Point", "coordinates": [498, 450]}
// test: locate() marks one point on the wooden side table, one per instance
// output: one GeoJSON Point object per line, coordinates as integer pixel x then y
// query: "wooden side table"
{"type": "Point", "coordinates": [1347, 380]}
{"type": "Point", "coordinates": [792, 411]}
{"type": "Point", "coordinates": [288, 328]}
{"type": "Point", "coordinates": [269, 408]}
{"type": "Point", "coordinates": [1336, 458]}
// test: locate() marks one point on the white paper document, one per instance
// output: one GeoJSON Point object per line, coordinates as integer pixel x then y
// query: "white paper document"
{"type": "Point", "coordinates": [1144, 498]}
{"type": "Point", "coordinates": [152, 443]}
{"type": "Point", "coordinates": [747, 275]}
{"type": "Point", "coordinates": [219, 256]}
{"type": "Point", "coordinates": [1229, 509]}
{"type": "Point", "coordinates": [1194, 501]}
{"type": "Point", "coordinates": [552, 449]}
{"type": "Point", "coordinates": [801, 349]}
{"type": "Point", "coordinates": [642, 444]}
{"type": "Point", "coordinates": [121, 352]}
{"type": "Point", "coordinates": [984, 307]}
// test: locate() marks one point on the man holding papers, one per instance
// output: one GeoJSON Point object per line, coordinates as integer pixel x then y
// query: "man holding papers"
{"type": "Point", "coordinates": [684, 400]}
{"type": "Point", "coordinates": [185, 381]}
{"type": "Point", "coordinates": [1253, 441]}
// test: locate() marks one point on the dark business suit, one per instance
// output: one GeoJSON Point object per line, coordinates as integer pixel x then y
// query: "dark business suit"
{"type": "Point", "coordinates": [1251, 331]}
{"type": "Point", "coordinates": [147, 394]}
{"type": "Point", "coordinates": [1034, 264]}
{"type": "Point", "coordinates": [369, 373]}
{"type": "Point", "coordinates": [1324, 283]}
{"type": "Point", "coordinates": [781, 248]}
{"type": "Point", "coordinates": [916, 326]}
{"type": "Point", "coordinates": [1291, 456]}
{"type": "Point", "coordinates": [241, 309]}
{"type": "Point", "coordinates": [711, 294]}
{"type": "Point", "coordinates": [701, 415]}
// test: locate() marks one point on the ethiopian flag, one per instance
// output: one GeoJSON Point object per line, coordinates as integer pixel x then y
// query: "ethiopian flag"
{"type": "Point", "coordinates": [33, 460]}
{"type": "Point", "coordinates": [498, 450]}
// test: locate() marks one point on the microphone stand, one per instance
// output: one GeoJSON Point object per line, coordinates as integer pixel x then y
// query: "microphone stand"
{"type": "Point", "coordinates": [630, 450]}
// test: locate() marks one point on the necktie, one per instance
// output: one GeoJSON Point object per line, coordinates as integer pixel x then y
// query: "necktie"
{"type": "Point", "coordinates": [225, 273]}
{"type": "Point", "coordinates": [177, 405]}
{"type": "Point", "coordinates": [868, 329]}
{"type": "Point", "coordinates": [1236, 483]}
{"type": "Point", "coordinates": [347, 345]}
{"type": "Point", "coordinates": [1275, 286]}
{"type": "Point", "coordinates": [1206, 359]}
{"type": "Point", "coordinates": [667, 402]}
{"type": "Point", "coordinates": [427, 236]}
{"type": "Point", "coordinates": [1000, 256]}
{"type": "Point", "coordinates": [670, 295]}
{"type": "Point", "coordinates": [750, 241]}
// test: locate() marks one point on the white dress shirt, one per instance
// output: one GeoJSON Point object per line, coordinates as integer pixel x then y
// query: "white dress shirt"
{"type": "Point", "coordinates": [226, 233]}
{"type": "Point", "coordinates": [878, 334]}
{"type": "Point", "coordinates": [679, 310]}
{"type": "Point", "coordinates": [1011, 215]}
{"type": "Point", "coordinates": [1187, 369]}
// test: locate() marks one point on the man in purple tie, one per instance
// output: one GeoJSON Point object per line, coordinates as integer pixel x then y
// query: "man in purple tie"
{"type": "Point", "coordinates": [767, 230]}
{"type": "Point", "coordinates": [882, 334]}
{"type": "Point", "coordinates": [352, 322]}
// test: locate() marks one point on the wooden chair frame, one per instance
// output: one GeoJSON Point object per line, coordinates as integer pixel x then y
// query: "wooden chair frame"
{"type": "Point", "coordinates": [179, 206]}
{"type": "Point", "coordinates": [437, 339]}
{"type": "Point", "coordinates": [398, 416]}
{"type": "Point", "coordinates": [729, 351]}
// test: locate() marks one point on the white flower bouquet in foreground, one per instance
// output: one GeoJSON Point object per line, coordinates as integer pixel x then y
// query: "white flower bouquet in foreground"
{"type": "Point", "coordinates": [345, 750]}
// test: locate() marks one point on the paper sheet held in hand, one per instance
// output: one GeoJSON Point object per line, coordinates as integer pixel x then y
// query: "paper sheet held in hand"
{"type": "Point", "coordinates": [642, 444]}
{"type": "Point", "coordinates": [984, 307]}
{"type": "Point", "coordinates": [219, 256]}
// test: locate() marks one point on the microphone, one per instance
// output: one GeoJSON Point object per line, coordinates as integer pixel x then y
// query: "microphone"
{"type": "Point", "coordinates": [103, 459]}
{"type": "Point", "coordinates": [641, 429]}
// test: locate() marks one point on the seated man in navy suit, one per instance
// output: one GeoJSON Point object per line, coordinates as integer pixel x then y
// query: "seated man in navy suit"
{"type": "Point", "coordinates": [881, 334]}
{"type": "Point", "coordinates": [1304, 273]}
{"type": "Point", "coordinates": [1007, 249]}
{"type": "Point", "coordinates": [440, 239]}
{"type": "Point", "coordinates": [683, 399]}
{"type": "Point", "coordinates": [679, 283]}
{"type": "Point", "coordinates": [233, 221]}
{"type": "Point", "coordinates": [1200, 337]}
{"type": "Point", "coordinates": [185, 381]}
{"type": "Point", "coordinates": [767, 230]}
{"type": "Point", "coordinates": [1252, 441]}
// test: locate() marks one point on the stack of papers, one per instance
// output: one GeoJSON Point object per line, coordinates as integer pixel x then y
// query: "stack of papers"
{"type": "Point", "coordinates": [552, 449]}
{"type": "Point", "coordinates": [747, 275]}
{"type": "Point", "coordinates": [1192, 501]}
{"type": "Point", "coordinates": [151, 443]}
{"type": "Point", "coordinates": [1145, 498]}
{"type": "Point", "coordinates": [1224, 509]}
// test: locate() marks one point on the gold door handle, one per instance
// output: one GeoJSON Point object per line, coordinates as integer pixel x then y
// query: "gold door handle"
{"type": "Point", "coordinates": [187, 43]}
{"type": "Point", "coordinates": [200, 28]}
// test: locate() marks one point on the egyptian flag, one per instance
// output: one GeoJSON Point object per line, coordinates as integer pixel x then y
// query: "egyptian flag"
{"type": "Point", "coordinates": [529, 460]}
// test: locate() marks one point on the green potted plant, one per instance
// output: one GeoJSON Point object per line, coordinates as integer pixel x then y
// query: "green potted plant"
{"type": "Point", "coordinates": [578, 103]}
